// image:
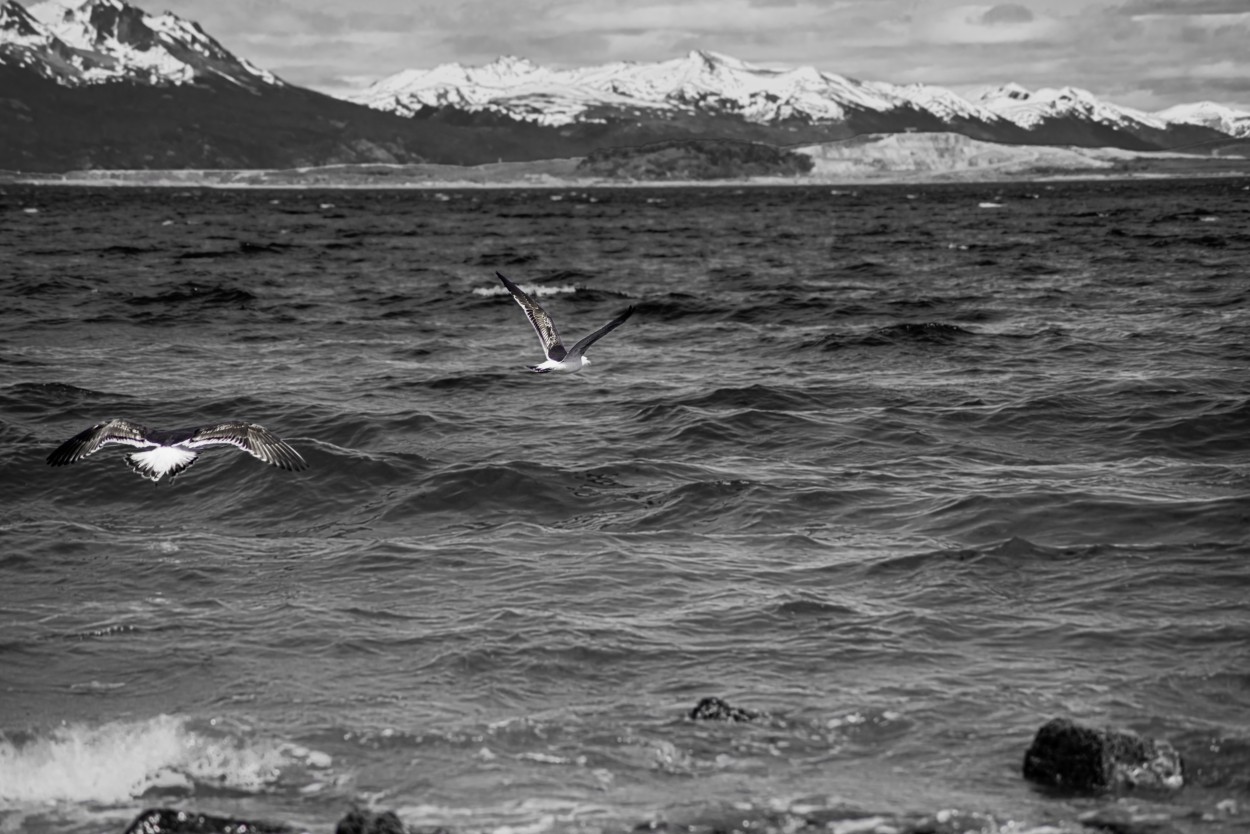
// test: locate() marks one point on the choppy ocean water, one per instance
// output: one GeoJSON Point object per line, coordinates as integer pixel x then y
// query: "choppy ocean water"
{"type": "Point", "coordinates": [912, 469]}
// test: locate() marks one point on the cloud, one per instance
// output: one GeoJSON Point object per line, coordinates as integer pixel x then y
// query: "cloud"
{"type": "Point", "coordinates": [968, 24]}
{"type": "Point", "coordinates": [700, 16]}
{"type": "Point", "coordinates": [1135, 8]}
{"type": "Point", "coordinates": [1007, 13]}
{"type": "Point", "coordinates": [565, 33]}
{"type": "Point", "coordinates": [1223, 81]}
{"type": "Point", "coordinates": [1140, 53]}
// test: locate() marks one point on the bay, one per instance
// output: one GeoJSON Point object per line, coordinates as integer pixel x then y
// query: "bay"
{"type": "Point", "coordinates": [911, 469]}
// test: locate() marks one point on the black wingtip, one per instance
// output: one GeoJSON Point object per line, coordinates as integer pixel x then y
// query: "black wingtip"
{"type": "Point", "coordinates": [509, 284]}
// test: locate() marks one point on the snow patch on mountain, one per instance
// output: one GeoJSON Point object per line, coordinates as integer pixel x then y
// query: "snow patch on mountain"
{"type": "Point", "coordinates": [705, 81]}
{"type": "Point", "coordinates": [1209, 114]}
{"type": "Point", "coordinates": [19, 28]}
{"type": "Point", "coordinates": [100, 41]}
{"type": "Point", "coordinates": [700, 80]}
{"type": "Point", "coordinates": [510, 85]}
{"type": "Point", "coordinates": [1030, 109]}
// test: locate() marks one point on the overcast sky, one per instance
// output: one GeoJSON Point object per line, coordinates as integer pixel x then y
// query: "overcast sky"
{"type": "Point", "coordinates": [1147, 54]}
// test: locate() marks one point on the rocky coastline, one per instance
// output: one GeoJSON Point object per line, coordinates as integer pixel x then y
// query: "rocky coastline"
{"type": "Point", "coordinates": [1131, 782]}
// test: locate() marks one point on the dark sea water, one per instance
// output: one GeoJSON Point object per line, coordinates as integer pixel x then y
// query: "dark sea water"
{"type": "Point", "coordinates": [912, 469]}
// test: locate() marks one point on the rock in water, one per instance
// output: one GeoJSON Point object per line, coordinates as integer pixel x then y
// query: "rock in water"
{"type": "Point", "coordinates": [714, 709]}
{"type": "Point", "coordinates": [366, 822]}
{"type": "Point", "coordinates": [1067, 755]}
{"type": "Point", "coordinates": [170, 821]}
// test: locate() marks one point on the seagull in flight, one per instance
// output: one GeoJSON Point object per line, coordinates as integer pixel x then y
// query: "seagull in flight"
{"type": "Point", "coordinates": [559, 358]}
{"type": "Point", "coordinates": [172, 451]}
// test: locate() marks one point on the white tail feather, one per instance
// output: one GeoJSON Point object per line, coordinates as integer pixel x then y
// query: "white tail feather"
{"type": "Point", "coordinates": [155, 464]}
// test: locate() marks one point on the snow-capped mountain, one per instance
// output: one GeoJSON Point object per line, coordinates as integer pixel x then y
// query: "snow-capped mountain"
{"type": "Point", "coordinates": [105, 84]}
{"type": "Point", "coordinates": [1209, 114]}
{"type": "Point", "coordinates": [701, 80]}
{"type": "Point", "coordinates": [100, 41]}
{"type": "Point", "coordinates": [1030, 109]}
{"type": "Point", "coordinates": [711, 84]}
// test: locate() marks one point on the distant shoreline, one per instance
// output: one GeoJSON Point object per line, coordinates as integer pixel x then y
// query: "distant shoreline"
{"type": "Point", "coordinates": [565, 185]}
{"type": "Point", "coordinates": [880, 159]}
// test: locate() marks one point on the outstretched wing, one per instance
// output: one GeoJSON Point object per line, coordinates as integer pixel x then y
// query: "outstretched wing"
{"type": "Point", "coordinates": [543, 325]}
{"type": "Point", "coordinates": [97, 437]}
{"type": "Point", "coordinates": [584, 343]}
{"type": "Point", "coordinates": [257, 441]}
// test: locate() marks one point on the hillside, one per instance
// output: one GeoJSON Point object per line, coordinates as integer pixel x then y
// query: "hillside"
{"type": "Point", "coordinates": [45, 126]}
{"type": "Point", "coordinates": [714, 159]}
{"type": "Point", "coordinates": [106, 85]}
{"type": "Point", "coordinates": [711, 95]}
{"type": "Point", "coordinates": [918, 156]}
{"type": "Point", "coordinates": [910, 157]}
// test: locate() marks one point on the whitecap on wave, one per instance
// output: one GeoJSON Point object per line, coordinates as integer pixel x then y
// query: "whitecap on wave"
{"type": "Point", "coordinates": [532, 289]}
{"type": "Point", "coordinates": [122, 760]}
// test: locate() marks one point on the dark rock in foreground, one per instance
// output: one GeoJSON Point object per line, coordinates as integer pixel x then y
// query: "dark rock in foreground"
{"type": "Point", "coordinates": [356, 821]}
{"type": "Point", "coordinates": [366, 822]}
{"type": "Point", "coordinates": [1063, 755]}
{"type": "Point", "coordinates": [1068, 756]}
{"type": "Point", "coordinates": [169, 821]}
{"type": "Point", "coordinates": [714, 709]}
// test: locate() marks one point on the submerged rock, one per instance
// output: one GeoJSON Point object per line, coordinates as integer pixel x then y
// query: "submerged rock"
{"type": "Point", "coordinates": [714, 709]}
{"type": "Point", "coordinates": [356, 821]}
{"type": "Point", "coordinates": [366, 822]}
{"type": "Point", "coordinates": [1128, 821]}
{"type": "Point", "coordinates": [1066, 755]}
{"type": "Point", "coordinates": [170, 821]}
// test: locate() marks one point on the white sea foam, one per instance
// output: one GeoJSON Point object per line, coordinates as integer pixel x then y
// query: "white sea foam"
{"type": "Point", "coordinates": [119, 761]}
{"type": "Point", "coordinates": [532, 289]}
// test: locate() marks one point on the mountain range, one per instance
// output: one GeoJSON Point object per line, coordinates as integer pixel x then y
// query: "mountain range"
{"type": "Point", "coordinates": [106, 85]}
{"type": "Point", "coordinates": [108, 41]}
{"type": "Point", "coordinates": [708, 84]}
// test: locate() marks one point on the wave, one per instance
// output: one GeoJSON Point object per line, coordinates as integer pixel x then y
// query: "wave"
{"type": "Point", "coordinates": [1060, 512]}
{"type": "Point", "coordinates": [533, 290]}
{"type": "Point", "coordinates": [906, 333]}
{"type": "Point", "coordinates": [41, 397]}
{"type": "Point", "coordinates": [675, 306]}
{"type": "Point", "coordinates": [864, 269]}
{"type": "Point", "coordinates": [504, 259]}
{"type": "Point", "coordinates": [51, 287]}
{"type": "Point", "coordinates": [756, 396]}
{"type": "Point", "coordinates": [242, 247]}
{"type": "Point", "coordinates": [204, 295]}
{"type": "Point", "coordinates": [1218, 430]}
{"type": "Point", "coordinates": [121, 761]}
{"type": "Point", "coordinates": [486, 381]}
{"type": "Point", "coordinates": [1116, 418]}
{"type": "Point", "coordinates": [781, 309]}
{"type": "Point", "coordinates": [530, 490]}
{"type": "Point", "coordinates": [1007, 554]}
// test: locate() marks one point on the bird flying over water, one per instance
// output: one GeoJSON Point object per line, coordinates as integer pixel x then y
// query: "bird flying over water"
{"type": "Point", "coordinates": [172, 451]}
{"type": "Point", "coordinates": [559, 358]}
